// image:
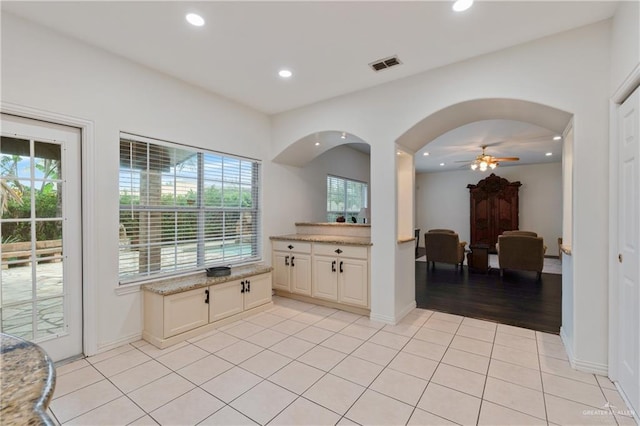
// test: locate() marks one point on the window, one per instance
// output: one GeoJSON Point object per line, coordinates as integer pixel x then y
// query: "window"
{"type": "Point", "coordinates": [184, 208]}
{"type": "Point", "coordinates": [345, 197]}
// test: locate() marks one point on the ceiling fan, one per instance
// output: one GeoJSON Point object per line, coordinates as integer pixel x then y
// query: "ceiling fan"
{"type": "Point", "coordinates": [484, 161]}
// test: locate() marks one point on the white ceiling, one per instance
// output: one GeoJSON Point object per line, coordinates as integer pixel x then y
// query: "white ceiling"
{"type": "Point", "coordinates": [327, 44]}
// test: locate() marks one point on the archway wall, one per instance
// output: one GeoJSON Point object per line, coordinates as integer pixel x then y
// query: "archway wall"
{"type": "Point", "coordinates": [569, 72]}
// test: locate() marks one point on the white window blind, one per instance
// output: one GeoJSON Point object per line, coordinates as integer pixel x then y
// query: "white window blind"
{"type": "Point", "coordinates": [184, 209]}
{"type": "Point", "coordinates": [345, 197]}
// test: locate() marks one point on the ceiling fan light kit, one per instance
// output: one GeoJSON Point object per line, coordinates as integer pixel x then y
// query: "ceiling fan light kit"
{"type": "Point", "coordinates": [484, 161]}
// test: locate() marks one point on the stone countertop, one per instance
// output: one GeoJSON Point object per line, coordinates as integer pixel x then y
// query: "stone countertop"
{"type": "Point", "coordinates": [28, 380]}
{"type": "Point", "coordinates": [361, 225]}
{"type": "Point", "coordinates": [329, 239]}
{"type": "Point", "coordinates": [178, 285]}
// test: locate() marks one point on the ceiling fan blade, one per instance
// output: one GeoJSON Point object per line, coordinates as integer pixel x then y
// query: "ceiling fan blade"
{"type": "Point", "coordinates": [464, 161]}
{"type": "Point", "coordinates": [507, 159]}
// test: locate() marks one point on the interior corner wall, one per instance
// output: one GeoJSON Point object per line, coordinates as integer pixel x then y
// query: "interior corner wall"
{"type": "Point", "coordinates": [625, 42]}
{"type": "Point", "coordinates": [44, 70]}
{"type": "Point", "coordinates": [443, 200]}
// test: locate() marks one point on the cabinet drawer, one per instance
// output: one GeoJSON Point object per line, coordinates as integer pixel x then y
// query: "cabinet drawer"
{"type": "Point", "coordinates": [355, 252]}
{"type": "Point", "coordinates": [298, 246]}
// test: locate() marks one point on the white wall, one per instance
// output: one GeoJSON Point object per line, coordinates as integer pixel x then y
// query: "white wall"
{"type": "Point", "coordinates": [568, 71]}
{"type": "Point", "coordinates": [625, 47]}
{"type": "Point", "coordinates": [43, 70]}
{"type": "Point", "coordinates": [442, 200]}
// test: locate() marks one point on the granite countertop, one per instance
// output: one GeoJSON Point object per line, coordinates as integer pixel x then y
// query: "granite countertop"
{"type": "Point", "coordinates": [361, 225]}
{"type": "Point", "coordinates": [178, 285]}
{"type": "Point", "coordinates": [28, 380]}
{"type": "Point", "coordinates": [330, 239]}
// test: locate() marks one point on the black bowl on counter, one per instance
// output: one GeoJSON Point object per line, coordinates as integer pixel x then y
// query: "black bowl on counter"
{"type": "Point", "coordinates": [219, 271]}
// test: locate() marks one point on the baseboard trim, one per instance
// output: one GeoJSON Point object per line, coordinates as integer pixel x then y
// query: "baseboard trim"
{"type": "Point", "coordinates": [123, 341]}
{"type": "Point", "coordinates": [591, 367]}
{"type": "Point", "coordinates": [393, 320]}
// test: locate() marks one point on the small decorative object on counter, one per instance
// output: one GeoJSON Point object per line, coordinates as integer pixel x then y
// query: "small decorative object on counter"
{"type": "Point", "coordinates": [340, 219]}
{"type": "Point", "coordinates": [219, 271]}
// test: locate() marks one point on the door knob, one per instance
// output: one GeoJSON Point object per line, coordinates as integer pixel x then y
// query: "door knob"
{"type": "Point", "coordinates": [620, 257]}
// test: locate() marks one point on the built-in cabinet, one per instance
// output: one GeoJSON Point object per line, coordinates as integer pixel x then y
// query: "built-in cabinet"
{"type": "Point", "coordinates": [171, 318]}
{"type": "Point", "coordinates": [292, 267]}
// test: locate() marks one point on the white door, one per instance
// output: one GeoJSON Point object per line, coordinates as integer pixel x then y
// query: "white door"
{"type": "Point", "coordinates": [40, 226]}
{"type": "Point", "coordinates": [629, 257]}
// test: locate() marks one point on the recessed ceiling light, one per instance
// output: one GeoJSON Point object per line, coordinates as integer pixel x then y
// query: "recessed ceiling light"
{"type": "Point", "coordinates": [399, 153]}
{"type": "Point", "coordinates": [557, 138]}
{"type": "Point", "coordinates": [343, 136]}
{"type": "Point", "coordinates": [462, 5]}
{"type": "Point", "coordinates": [442, 164]}
{"type": "Point", "coordinates": [285, 73]}
{"type": "Point", "coordinates": [317, 143]}
{"type": "Point", "coordinates": [549, 154]}
{"type": "Point", "coordinates": [195, 19]}
{"type": "Point", "coordinates": [425, 154]}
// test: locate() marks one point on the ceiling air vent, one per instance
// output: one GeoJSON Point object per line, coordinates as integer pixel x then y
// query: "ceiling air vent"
{"type": "Point", "coordinates": [385, 63]}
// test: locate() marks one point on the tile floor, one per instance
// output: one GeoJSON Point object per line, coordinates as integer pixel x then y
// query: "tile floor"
{"type": "Point", "coordinates": [301, 364]}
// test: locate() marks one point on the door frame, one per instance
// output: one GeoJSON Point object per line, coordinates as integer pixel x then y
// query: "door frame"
{"type": "Point", "coordinates": [623, 91]}
{"type": "Point", "coordinates": [89, 237]}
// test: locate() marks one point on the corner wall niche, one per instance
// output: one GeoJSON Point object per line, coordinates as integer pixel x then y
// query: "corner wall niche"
{"type": "Point", "coordinates": [494, 209]}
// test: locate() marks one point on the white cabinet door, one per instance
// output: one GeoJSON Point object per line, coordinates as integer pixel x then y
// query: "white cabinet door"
{"type": "Point", "coordinates": [300, 266]}
{"type": "Point", "coordinates": [281, 270]}
{"type": "Point", "coordinates": [325, 279]}
{"type": "Point", "coordinates": [225, 300]}
{"type": "Point", "coordinates": [185, 311]}
{"type": "Point", "coordinates": [353, 279]}
{"type": "Point", "coordinates": [257, 291]}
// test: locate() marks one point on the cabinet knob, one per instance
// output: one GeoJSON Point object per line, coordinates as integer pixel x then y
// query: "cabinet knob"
{"type": "Point", "coordinates": [286, 261]}
{"type": "Point", "coordinates": [292, 257]}
{"type": "Point", "coordinates": [248, 286]}
{"type": "Point", "coordinates": [289, 246]}
{"type": "Point", "coordinates": [341, 270]}
{"type": "Point", "coordinates": [338, 251]}
{"type": "Point", "coordinates": [242, 289]}
{"type": "Point", "coordinates": [206, 297]}
{"type": "Point", "coordinates": [333, 266]}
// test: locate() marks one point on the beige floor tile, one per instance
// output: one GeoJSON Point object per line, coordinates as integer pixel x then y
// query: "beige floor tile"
{"type": "Point", "coordinates": [154, 352]}
{"type": "Point", "coordinates": [75, 380]}
{"type": "Point", "coordinates": [496, 415]}
{"type": "Point", "coordinates": [573, 390]}
{"type": "Point", "coordinates": [459, 379]}
{"type": "Point", "coordinates": [182, 357]}
{"type": "Point", "coordinates": [605, 382]}
{"type": "Point", "coordinates": [303, 412]}
{"type": "Point", "coordinates": [124, 361]}
{"type": "Point", "coordinates": [515, 356]}
{"type": "Point", "coordinates": [239, 352]}
{"type": "Point", "coordinates": [216, 342]}
{"type": "Point", "coordinates": [263, 402]}
{"type": "Point", "coordinates": [358, 331]}
{"type": "Point", "coordinates": [402, 329]}
{"type": "Point", "coordinates": [516, 342]}
{"type": "Point", "coordinates": [62, 369]}
{"type": "Point", "coordinates": [314, 335]}
{"type": "Point", "coordinates": [322, 310]}
{"type": "Point", "coordinates": [400, 386]}
{"type": "Point", "coordinates": [561, 367]}
{"type": "Point", "coordinates": [564, 412]}
{"type": "Point", "coordinates": [244, 329]}
{"type": "Point", "coordinates": [441, 325]}
{"type": "Point", "coordinates": [342, 343]}
{"type": "Point", "coordinates": [390, 340]}
{"type": "Point", "coordinates": [140, 375]}
{"type": "Point", "coordinates": [548, 337]}
{"type": "Point", "coordinates": [227, 416]}
{"type": "Point", "coordinates": [110, 353]}
{"type": "Point", "coordinates": [450, 404]}
{"type": "Point", "coordinates": [346, 422]}
{"type": "Point", "coordinates": [267, 338]}
{"type": "Point", "coordinates": [292, 347]}
{"type": "Point", "coordinates": [264, 319]}
{"type": "Point", "coordinates": [203, 336]}
{"type": "Point", "coordinates": [373, 408]}
{"type": "Point", "coordinates": [512, 373]}
{"type": "Point", "coordinates": [84, 400]}
{"type": "Point", "coordinates": [284, 312]}
{"type": "Point", "coordinates": [231, 384]}
{"type": "Point", "coordinates": [346, 316]}
{"type": "Point", "coordinates": [120, 411]}
{"type": "Point", "coordinates": [144, 421]}
{"type": "Point", "coordinates": [414, 365]}
{"type": "Point", "coordinates": [425, 349]}
{"type": "Point", "coordinates": [297, 377]}
{"type": "Point", "coordinates": [377, 354]}
{"type": "Point", "coordinates": [357, 370]}
{"type": "Point", "coordinates": [334, 393]}
{"type": "Point", "coordinates": [204, 369]}
{"type": "Point", "coordinates": [188, 409]}
{"type": "Point", "coordinates": [370, 323]}
{"type": "Point", "coordinates": [289, 327]}
{"type": "Point", "coordinates": [517, 331]}
{"type": "Point", "coordinates": [308, 318]}
{"type": "Point", "coordinates": [625, 420]}
{"type": "Point", "coordinates": [423, 418]}
{"type": "Point", "coordinates": [265, 363]}
{"type": "Point", "coordinates": [323, 358]}
{"type": "Point", "coordinates": [476, 333]}
{"type": "Point", "coordinates": [332, 324]}
{"type": "Point", "coordinates": [447, 317]}
{"type": "Point", "coordinates": [616, 403]}
{"type": "Point", "coordinates": [467, 360]}
{"type": "Point", "coordinates": [157, 393]}
{"type": "Point", "coordinates": [516, 397]}
{"type": "Point", "coordinates": [473, 346]}
{"type": "Point", "coordinates": [486, 325]}
{"type": "Point", "coordinates": [552, 350]}
{"type": "Point", "coordinates": [434, 336]}
{"type": "Point", "coordinates": [413, 319]}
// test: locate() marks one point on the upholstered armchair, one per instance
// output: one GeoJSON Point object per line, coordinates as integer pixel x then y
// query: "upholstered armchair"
{"type": "Point", "coordinates": [444, 245]}
{"type": "Point", "coordinates": [521, 250]}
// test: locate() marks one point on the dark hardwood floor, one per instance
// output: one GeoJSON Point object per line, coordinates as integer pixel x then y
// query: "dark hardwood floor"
{"type": "Point", "coordinates": [516, 299]}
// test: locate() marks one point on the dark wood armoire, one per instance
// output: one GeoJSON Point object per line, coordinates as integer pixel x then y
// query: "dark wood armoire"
{"type": "Point", "coordinates": [494, 209]}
